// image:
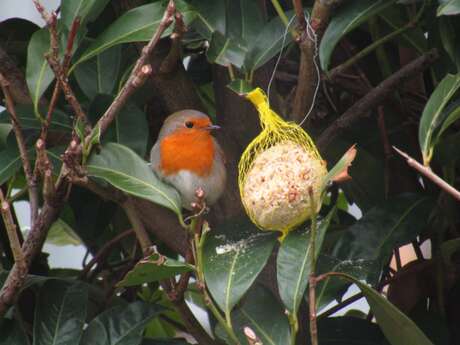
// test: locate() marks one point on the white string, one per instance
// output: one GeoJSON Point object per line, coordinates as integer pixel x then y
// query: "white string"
{"type": "Point", "coordinates": [311, 35]}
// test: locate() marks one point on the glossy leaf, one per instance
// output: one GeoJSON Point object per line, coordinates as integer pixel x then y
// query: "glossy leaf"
{"type": "Point", "coordinates": [414, 37]}
{"type": "Point", "coordinates": [100, 74]}
{"type": "Point", "coordinates": [449, 8]}
{"type": "Point", "coordinates": [244, 20]}
{"type": "Point", "coordinates": [347, 18]}
{"type": "Point", "coordinates": [210, 17]}
{"type": "Point", "coordinates": [136, 25]}
{"type": "Point", "coordinates": [129, 128]}
{"type": "Point", "coordinates": [60, 314]}
{"type": "Point", "coordinates": [270, 40]}
{"type": "Point", "coordinates": [154, 268]}
{"type": "Point", "coordinates": [389, 318]}
{"type": "Point", "coordinates": [38, 73]}
{"type": "Point", "coordinates": [233, 256]}
{"type": "Point", "coordinates": [293, 265]}
{"type": "Point", "coordinates": [433, 115]}
{"type": "Point", "coordinates": [449, 32]}
{"type": "Point", "coordinates": [85, 10]}
{"type": "Point", "coordinates": [343, 331]}
{"type": "Point", "coordinates": [226, 51]}
{"type": "Point", "coordinates": [121, 325]}
{"type": "Point", "coordinates": [10, 162]}
{"type": "Point", "coordinates": [61, 234]}
{"type": "Point", "coordinates": [392, 224]}
{"type": "Point", "coordinates": [240, 86]}
{"type": "Point", "coordinates": [261, 312]}
{"type": "Point", "coordinates": [122, 168]}
{"type": "Point", "coordinates": [59, 122]}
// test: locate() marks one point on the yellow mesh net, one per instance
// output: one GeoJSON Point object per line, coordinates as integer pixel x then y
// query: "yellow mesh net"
{"type": "Point", "coordinates": [279, 172]}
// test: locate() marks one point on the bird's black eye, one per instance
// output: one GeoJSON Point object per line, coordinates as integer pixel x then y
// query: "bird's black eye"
{"type": "Point", "coordinates": [189, 124]}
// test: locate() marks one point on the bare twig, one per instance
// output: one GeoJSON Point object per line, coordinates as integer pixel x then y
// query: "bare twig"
{"type": "Point", "coordinates": [427, 172]}
{"type": "Point", "coordinates": [172, 59]}
{"type": "Point", "coordinates": [31, 181]}
{"type": "Point", "coordinates": [375, 97]}
{"type": "Point", "coordinates": [105, 250]}
{"type": "Point", "coordinates": [138, 226]}
{"type": "Point", "coordinates": [140, 71]}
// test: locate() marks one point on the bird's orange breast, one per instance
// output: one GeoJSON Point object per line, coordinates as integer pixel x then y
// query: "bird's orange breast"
{"type": "Point", "coordinates": [191, 150]}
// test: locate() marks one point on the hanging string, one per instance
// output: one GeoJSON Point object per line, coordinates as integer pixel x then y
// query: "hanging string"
{"type": "Point", "coordinates": [311, 35]}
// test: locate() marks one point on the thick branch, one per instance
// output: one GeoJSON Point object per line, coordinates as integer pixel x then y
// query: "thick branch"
{"type": "Point", "coordinates": [375, 97]}
{"type": "Point", "coordinates": [11, 230]}
{"type": "Point", "coordinates": [310, 36]}
{"type": "Point", "coordinates": [18, 86]}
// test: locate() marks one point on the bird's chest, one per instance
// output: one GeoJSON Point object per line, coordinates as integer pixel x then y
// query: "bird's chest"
{"type": "Point", "coordinates": [187, 151]}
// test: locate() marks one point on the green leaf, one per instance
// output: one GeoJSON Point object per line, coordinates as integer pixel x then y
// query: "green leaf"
{"type": "Point", "coordinates": [449, 8]}
{"type": "Point", "coordinates": [122, 168]}
{"type": "Point", "coordinates": [397, 327]}
{"type": "Point", "coordinates": [26, 116]}
{"type": "Point", "coordinates": [60, 314]}
{"type": "Point", "coordinates": [347, 18]}
{"type": "Point", "coordinates": [233, 256]}
{"type": "Point", "coordinates": [293, 264]}
{"type": "Point", "coordinates": [210, 17]}
{"type": "Point", "coordinates": [136, 25]}
{"type": "Point", "coordinates": [121, 325]}
{"type": "Point", "coordinates": [62, 234]}
{"type": "Point", "coordinates": [12, 333]}
{"type": "Point", "coordinates": [38, 73]}
{"type": "Point", "coordinates": [449, 32]}
{"type": "Point", "coordinates": [10, 162]}
{"type": "Point", "coordinates": [340, 169]}
{"type": "Point", "coordinates": [342, 331]}
{"type": "Point", "coordinates": [415, 36]}
{"type": "Point", "coordinates": [267, 44]}
{"type": "Point", "coordinates": [129, 128]}
{"type": "Point", "coordinates": [394, 223]}
{"type": "Point", "coordinates": [240, 87]}
{"type": "Point", "coordinates": [99, 75]}
{"type": "Point", "coordinates": [154, 268]}
{"type": "Point", "coordinates": [243, 20]}
{"type": "Point", "coordinates": [263, 314]}
{"type": "Point", "coordinates": [433, 116]}
{"type": "Point", "coordinates": [85, 10]}
{"type": "Point", "coordinates": [225, 50]}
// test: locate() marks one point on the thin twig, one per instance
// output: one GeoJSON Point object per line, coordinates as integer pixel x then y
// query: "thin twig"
{"type": "Point", "coordinates": [312, 278]}
{"type": "Point", "coordinates": [105, 250]}
{"type": "Point", "coordinates": [31, 181]}
{"type": "Point", "coordinates": [427, 172]}
{"type": "Point", "coordinates": [138, 226]}
{"type": "Point", "coordinates": [375, 97]}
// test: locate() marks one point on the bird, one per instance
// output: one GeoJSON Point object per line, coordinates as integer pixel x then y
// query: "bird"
{"type": "Point", "coordinates": [188, 157]}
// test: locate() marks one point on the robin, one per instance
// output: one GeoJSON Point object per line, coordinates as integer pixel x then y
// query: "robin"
{"type": "Point", "coordinates": [188, 157]}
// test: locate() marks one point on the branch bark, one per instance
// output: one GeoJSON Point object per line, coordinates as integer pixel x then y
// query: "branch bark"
{"type": "Point", "coordinates": [376, 97]}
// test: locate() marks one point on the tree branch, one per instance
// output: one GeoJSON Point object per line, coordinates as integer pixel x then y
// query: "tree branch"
{"type": "Point", "coordinates": [375, 97]}
{"type": "Point", "coordinates": [138, 226]}
{"type": "Point", "coordinates": [31, 181]}
{"type": "Point", "coordinates": [11, 230]}
{"type": "Point", "coordinates": [427, 172]}
{"type": "Point", "coordinates": [140, 71]}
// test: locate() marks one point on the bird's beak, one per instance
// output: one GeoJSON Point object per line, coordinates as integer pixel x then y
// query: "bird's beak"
{"type": "Point", "coordinates": [212, 127]}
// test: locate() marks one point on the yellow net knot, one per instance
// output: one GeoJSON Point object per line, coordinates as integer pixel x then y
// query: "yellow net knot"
{"type": "Point", "coordinates": [280, 173]}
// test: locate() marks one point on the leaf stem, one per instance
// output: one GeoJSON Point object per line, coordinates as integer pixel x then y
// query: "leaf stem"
{"type": "Point", "coordinates": [312, 278]}
{"type": "Point", "coordinates": [280, 12]}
